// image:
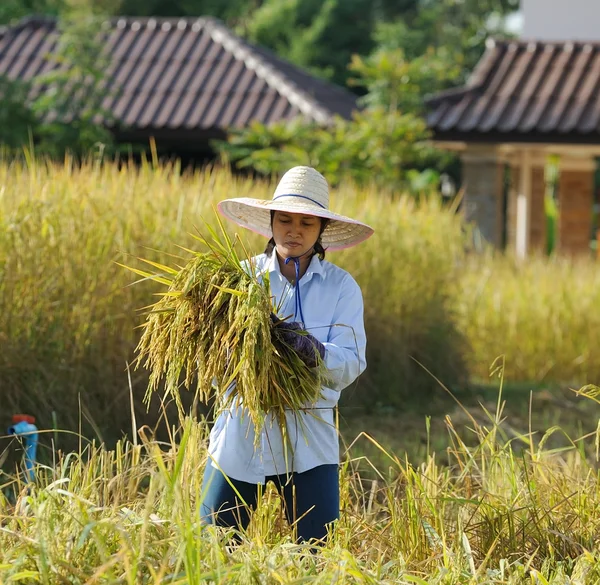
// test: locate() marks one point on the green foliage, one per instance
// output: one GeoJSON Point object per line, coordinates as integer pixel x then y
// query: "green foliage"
{"type": "Point", "coordinates": [315, 34]}
{"type": "Point", "coordinates": [70, 107]}
{"type": "Point", "coordinates": [62, 110]}
{"type": "Point", "coordinates": [384, 144]}
{"type": "Point", "coordinates": [17, 121]}
{"type": "Point", "coordinates": [440, 36]}
{"type": "Point", "coordinates": [13, 10]}
{"type": "Point", "coordinates": [415, 56]}
{"type": "Point", "coordinates": [430, 47]}
{"type": "Point", "coordinates": [460, 26]}
{"type": "Point", "coordinates": [231, 11]}
{"type": "Point", "coordinates": [389, 10]}
{"type": "Point", "coordinates": [377, 146]}
{"type": "Point", "coordinates": [395, 82]}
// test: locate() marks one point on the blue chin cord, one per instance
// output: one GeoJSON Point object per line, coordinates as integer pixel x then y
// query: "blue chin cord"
{"type": "Point", "coordinates": [298, 309]}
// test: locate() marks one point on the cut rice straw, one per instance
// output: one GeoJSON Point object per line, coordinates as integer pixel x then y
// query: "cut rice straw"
{"type": "Point", "coordinates": [213, 324]}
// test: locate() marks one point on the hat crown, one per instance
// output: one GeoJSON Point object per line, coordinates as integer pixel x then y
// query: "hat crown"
{"type": "Point", "coordinates": [305, 183]}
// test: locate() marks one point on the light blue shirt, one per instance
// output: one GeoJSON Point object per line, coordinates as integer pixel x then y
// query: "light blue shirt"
{"type": "Point", "coordinates": [332, 306]}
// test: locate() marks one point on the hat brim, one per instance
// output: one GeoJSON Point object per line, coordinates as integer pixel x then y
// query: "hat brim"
{"type": "Point", "coordinates": [255, 214]}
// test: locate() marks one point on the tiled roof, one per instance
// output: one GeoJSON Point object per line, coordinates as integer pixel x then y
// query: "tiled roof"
{"type": "Point", "coordinates": [524, 91]}
{"type": "Point", "coordinates": [183, 73]}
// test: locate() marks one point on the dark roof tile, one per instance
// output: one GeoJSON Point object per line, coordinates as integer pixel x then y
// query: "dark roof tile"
{"type": "Point", "coordinates": [520, 89]}
{"type": "Point", "coordinates": [182, 73]}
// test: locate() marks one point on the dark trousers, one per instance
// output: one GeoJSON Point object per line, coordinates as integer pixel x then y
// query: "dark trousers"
{"type": "Point", "coordinates": [311, 499]}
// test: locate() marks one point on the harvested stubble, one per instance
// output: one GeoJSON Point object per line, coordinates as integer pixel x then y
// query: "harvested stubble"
{"type": "Point", "coordinates": [214, 324]}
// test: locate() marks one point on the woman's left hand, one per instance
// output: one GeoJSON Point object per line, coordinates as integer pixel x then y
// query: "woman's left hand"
{"type": "Point", "coordinates": [307, 346]}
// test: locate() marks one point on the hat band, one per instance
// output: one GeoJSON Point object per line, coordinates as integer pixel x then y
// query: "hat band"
{"type": "Point", "coordinates": [302, 197]}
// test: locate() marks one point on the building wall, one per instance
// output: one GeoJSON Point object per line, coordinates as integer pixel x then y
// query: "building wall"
{"type": "Point", "coordinates": [561, 20]}
{"type": "Point", "coordinates": [483, 198]}
{"type": "Point", "coordinates": [575, 196]}
{"type": "Point", "coordinates": [482, 179]}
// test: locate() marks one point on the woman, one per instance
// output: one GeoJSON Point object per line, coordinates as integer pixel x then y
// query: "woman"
{"type": "Point", "coordinates": [324, 300]}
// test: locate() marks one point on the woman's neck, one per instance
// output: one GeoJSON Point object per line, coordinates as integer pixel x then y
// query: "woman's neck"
{"type": "Point", "coordinates": [289, 270]}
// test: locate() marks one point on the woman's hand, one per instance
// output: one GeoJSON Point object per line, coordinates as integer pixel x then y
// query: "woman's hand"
{"type": "Point", "coordinates": [307, 346]}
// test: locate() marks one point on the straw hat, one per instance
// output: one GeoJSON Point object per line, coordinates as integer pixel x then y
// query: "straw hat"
{"type": "Point", "coordinates": [301, 190]}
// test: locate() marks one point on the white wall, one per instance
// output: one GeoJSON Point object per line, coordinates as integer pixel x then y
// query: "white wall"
{"type": "Point", "coordinates": [561, 20]}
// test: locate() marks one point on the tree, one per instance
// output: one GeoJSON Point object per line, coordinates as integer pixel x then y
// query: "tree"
{"type": "Point", "coordinates": [322, 35]}
{"type": "Point", "coordinates": [459, 26]}
{"type": "Point", "coordinates": [378, 146]}
{"type": "Point", "coordinates": [232, 12]}
{"type": "Point", "coordinates": [13, 10]}
{"type": "Point", "coordinates": [435, 45]}
{"type": "Point", "coordinates": [319, 35]}
{"type": "Point", "coordinates": [392, 81]}
{"type": "Point", "coordinates": [17, 121]}
{"type": "Point", "coordinates": [69, 107]}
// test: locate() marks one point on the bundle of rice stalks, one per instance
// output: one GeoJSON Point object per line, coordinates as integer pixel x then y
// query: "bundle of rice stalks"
{"type": "Point", "coordinates": [214, 324]}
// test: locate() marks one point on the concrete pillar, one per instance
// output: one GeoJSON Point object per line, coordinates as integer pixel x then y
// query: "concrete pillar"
{"type": "Point", "coordinates": [526, 218]}
{"type": "Point", "coordinates": [537, 211]}
{"type": "Point", "coordinates": [523, 205]}
{"type": "Point", "coordinates": [511, 207]}
{"type": "Point", "coordinates": [482, 183]}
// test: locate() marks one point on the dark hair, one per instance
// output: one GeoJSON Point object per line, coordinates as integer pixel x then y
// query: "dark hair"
{"type": "Point", "coordinates": [318, 247]}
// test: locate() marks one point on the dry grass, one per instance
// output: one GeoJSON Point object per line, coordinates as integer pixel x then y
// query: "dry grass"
{"type": "Point", "coordinates": [494, 515]}
{"type": "Point", "coordinates": [68, 314]}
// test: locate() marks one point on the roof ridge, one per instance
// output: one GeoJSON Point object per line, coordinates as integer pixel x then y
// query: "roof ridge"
{"type": "Point", "coordinates": [275, 79]}
{"type": "Point", "coordinates": [539, 43]}
{"type": "Point", "coordinates": [45, 19]}
{"type": "Point", "coordinates": [32, 19]}
{"type": "Point", "coordinates": [452, 93]}
{"type": "Point", "coordinates": [163, 19]}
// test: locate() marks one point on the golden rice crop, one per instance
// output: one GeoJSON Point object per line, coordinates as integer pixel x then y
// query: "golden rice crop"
{"type": "Point", "coordinates": [214, 325]}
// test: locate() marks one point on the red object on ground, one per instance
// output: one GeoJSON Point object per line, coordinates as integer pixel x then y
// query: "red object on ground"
{"type": "Point", "coordinates": [17, 418]}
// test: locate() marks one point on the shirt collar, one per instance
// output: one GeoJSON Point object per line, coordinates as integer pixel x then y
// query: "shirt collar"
{"type": "Point", "coordinates": [314, 268]}
{"type": "Point", "coordinates": [271, 265]}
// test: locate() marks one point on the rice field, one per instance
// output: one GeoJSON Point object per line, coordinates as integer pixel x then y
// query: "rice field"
{"type": "Point", "coordinates": [485, 505]}
{"type": "Point", "coordinates": [433, 309]}
{"type": "Point", "coordinates": [498, 513]}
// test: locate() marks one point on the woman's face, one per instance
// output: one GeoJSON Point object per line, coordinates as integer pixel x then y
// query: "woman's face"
{"type": "Point", "coordinates": [295, 234]}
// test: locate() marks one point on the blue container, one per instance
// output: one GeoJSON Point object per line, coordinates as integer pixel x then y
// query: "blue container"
{"type": "Point", "coordinates": [23, 426]}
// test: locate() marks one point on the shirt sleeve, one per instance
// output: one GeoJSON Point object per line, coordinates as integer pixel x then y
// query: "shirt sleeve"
{"type": "Point", "coordinates": [345, 348]}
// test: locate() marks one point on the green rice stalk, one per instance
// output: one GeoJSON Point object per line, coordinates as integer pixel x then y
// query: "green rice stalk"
{"type": "Point", "coordinates": [212, 325]}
